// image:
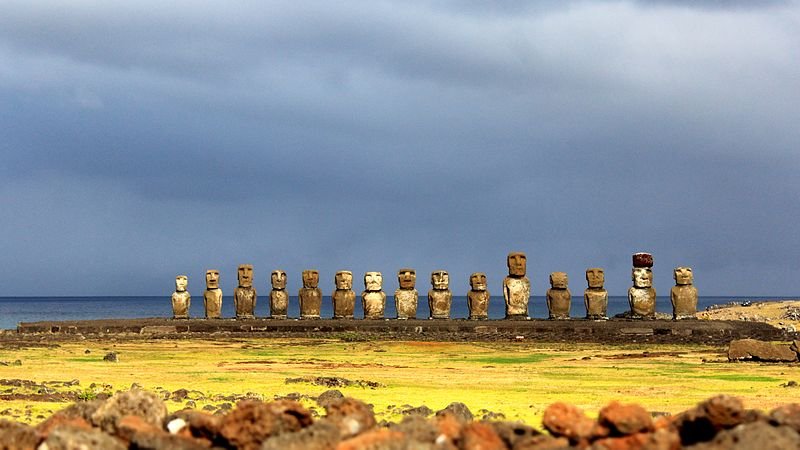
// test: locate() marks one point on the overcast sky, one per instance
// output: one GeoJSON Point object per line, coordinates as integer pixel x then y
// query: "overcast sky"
{"type": "Point", "coordinates": [141, 140]}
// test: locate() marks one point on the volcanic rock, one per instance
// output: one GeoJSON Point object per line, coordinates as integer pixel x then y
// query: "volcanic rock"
{"type": "Point", "coordinates": [752, 349]}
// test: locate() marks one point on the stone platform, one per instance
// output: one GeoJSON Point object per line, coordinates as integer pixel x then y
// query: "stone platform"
{"type": "Point", "coordinates": [539, 330]}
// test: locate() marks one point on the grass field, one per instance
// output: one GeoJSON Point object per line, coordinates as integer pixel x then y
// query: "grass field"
{"type": "Point", "coordinates": [516, 379]}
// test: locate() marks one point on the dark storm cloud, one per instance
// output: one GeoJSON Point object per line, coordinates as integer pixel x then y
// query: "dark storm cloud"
{"type": "Point", "coordinates": [145, 140]}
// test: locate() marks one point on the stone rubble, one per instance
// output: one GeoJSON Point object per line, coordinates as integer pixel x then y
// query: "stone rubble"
{"type": "Point", "coordinates": [138, 419]}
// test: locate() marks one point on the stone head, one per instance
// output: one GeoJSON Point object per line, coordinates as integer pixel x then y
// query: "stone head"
{"type": "Point", "coordinates": [642, 277]}
{"type": "Point", "coordinates": [181, 281]}
{"type": "Point", "coordinates": [517, 264]}
{"type": "Point", "coordinates": [278, 279]}
{"type": "Point", "coordinates": [343, 280]}
{"type": "Point", "coordinates": [212, 279]}
{"type": "Point", "coordinates": [595, 277]}
{"type": "Point", "coordinates": [310, 278]}
{"type": "Point", "coordinates": [683, 276]}
{"type": "Point", "coordinates": [407, 278]}
{"type": "Point", "coordinates": [477, 281]}
{"type": "Point", "coordinates": [373, 281]}
{"type": "Point", "coordinates": [558, 280]}
{"type": "Point", "coordinates": [440, 279]}
{"type": "Point", "coordinates": [245, 274]}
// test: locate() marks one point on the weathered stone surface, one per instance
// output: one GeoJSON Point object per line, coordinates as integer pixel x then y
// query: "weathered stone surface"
{"type": "Point", "coordinates": [406, 297]}
{"type": "Point", "coordinates": [17, 436]}
{"type": "Point", "coordinates": [595, 297]}
{"type": "Point", "coordinates": [329, 396]}
{"type": "Point", "coordinates": [381, 439]}
{"type": "Point", "coordinates": [559, 298]}
{"type": "Point", "coordinates": [199, 424]}
{"type": "Point", "coordinates": [788, 415]}
{"type": "Point", "coordinates": [70, 438]}
{"type": "Point", "coordinates": [252, 422]}
{"type": "Point", "coordinates": [514, 433]}
{"type": "Point", "coordinates": [702, 422]}
{"type": "Point", "coordinates": [478, 297]}
{"type": "Point", "coordinates": [753, 436]}
{"type": "Point", "coordinates": [310, 295]}
{"type": "Point", "coordinates": [480, 436]}
{"type": "Point", "coordinates": [352, 416]}
{"type": "Point", "coordinates": [755, 350]}
{"type": "Point", "coordinates": [212, 297]}
{"type": "Point", "coordinates": [245, 295]}
{"type": "Point", "coordinates": [440, 298]}
{"type": "Point", "coordinates": [373, 298]}
{"type": "Point", "coordinates": [181, 300]}
{"type": "Point", "coordinates": [344, 298]}
{"type": "Point", "coordinates": [642, 260]}
{"type": "Point", "coordinates": [278, 296]}
{"type": "Point", "coordinates": [516, 287]}
{"type": "Point", "coordinates": [642, 302]}
{"type": "Point", "coordinates": [417, 429]}
{"type": "Point", "coordinates": [563, 420]}
{"type": "Point", "coordinates": [458, 410]}
{"type": "Point", "coordinates": [625, 419]}
{"type": "Point", "coordinates": [321, 435]}
{"type": "Point", "coordinates": [642, 277]}
{"type": "Point", "coordinates": [146, 405]}
{"type": "Point", "coordinates": [683, 295]}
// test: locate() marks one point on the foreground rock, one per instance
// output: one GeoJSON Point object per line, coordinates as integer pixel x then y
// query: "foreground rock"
{"type": "Point", "coordinates": [138, 420]}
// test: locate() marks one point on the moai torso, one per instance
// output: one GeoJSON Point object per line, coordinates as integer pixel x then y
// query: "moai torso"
{"type": "Point", "coordinates": [683, 295]}
{"type": "Point", "coordinates": [212, 297]}
{"type": "Point", "coordinates": [373, 298]}
{"type": "Point", "coordinates": [642, 296]}
{"type": "Point", "coordinates": [344, 298]}
{"type": "Point", "coordinates": [478, 297]}
{"type": "Point", "coordinates": [181, 300]}
{"type": "Point", "coordinates": [516, 287]}
{"type": "Point", "coordinates": [440, 297]}
{"type": "Point", "coordinates": [595, 298]}
{"type": "Point", "coordinates": [245, 296]}
{"type": "Point", "coordinates": [278, 297]}
{"type": "Point", "coordinates": [559, 299]}
{"type": "Point", "coordinates": [406, 297]}
{"type": "Point", "coordinates": [310, 295]}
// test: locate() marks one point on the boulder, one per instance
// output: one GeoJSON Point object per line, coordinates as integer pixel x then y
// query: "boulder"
{"type": "Point", "coordinates": [755, 350]}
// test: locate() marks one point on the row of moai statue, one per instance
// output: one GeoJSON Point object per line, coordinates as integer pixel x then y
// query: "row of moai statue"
{"type": "Point", "coordinates": [516, 293]}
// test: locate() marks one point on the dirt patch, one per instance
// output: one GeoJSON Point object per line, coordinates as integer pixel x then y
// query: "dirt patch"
{"type": "Point", "coordinates": [641, 355]}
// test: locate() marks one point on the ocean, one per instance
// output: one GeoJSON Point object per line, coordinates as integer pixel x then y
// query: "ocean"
{"type": "Point", "coordinates": [32, 309]}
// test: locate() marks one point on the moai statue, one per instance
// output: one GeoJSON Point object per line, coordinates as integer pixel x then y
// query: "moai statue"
{"type": "Point", "coordinates": [683, 294]}
{"type": "Point", "coordinates": [245, 296]}
{"type": "Point", "coordinates": [517, 287]}
{"type": "Point", "coordinates": [440, 297]}
{"type": "Point", "coordinates": [278, 297]}
{"type": "Point", "coordinates": [344, 298]}
{"type": "Point", "coordinates": [642, 296]}
{"type": "Point", "coordinates": [559, 298]}
{"type": "Point", "coordinates": [212, 297]}
{"type": "Point", "coordinates": [181, 300]}
{"type": "Point", "coordinates": [478, 297]}
{"type": "Point", "coordinates": [595, 298]}
{"type": "Point", "coordinates": [310, 295]}
{"type": "Point", "coordinates": [406, 297]}
{"type": "Point", "coordinates": [373, 297]}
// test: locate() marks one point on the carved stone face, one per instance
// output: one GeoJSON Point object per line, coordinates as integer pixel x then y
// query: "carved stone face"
{"type": "Point", "coordinates": [517, 264]}
{"type": "Point", "coordinates": [595, 277]}
{"type": "Point", "coordinates": [344, 280]}
{"type": "Point", "coordinates": [477, 281]}
{"type": "Point", "coordinates": [212, 279]}
{"type": "Point", "coordinates": [558, 280]}
{"type": "Point", "coordinates": [440, 279]}
{"type": "Point", "coordinates": [683, 276]}
{"type": "Point", "coordinates": [278, 279]}
{"type": "Point", "coordinates": [407, 278]}
{"type": "Point", "coordinates": [181, 281]}
{"type": "Point", "coordinates": [373, 281]}
{"type": "Point", "coordinates": [245, 274]}
{"type": "Point", "coordinates": [642, 277]}
{"type": "Point", "coordinates": [310, 278]}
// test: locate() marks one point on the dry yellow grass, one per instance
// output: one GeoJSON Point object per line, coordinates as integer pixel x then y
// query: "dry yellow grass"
{"type": "Point", "coordinates": [516, 379]}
